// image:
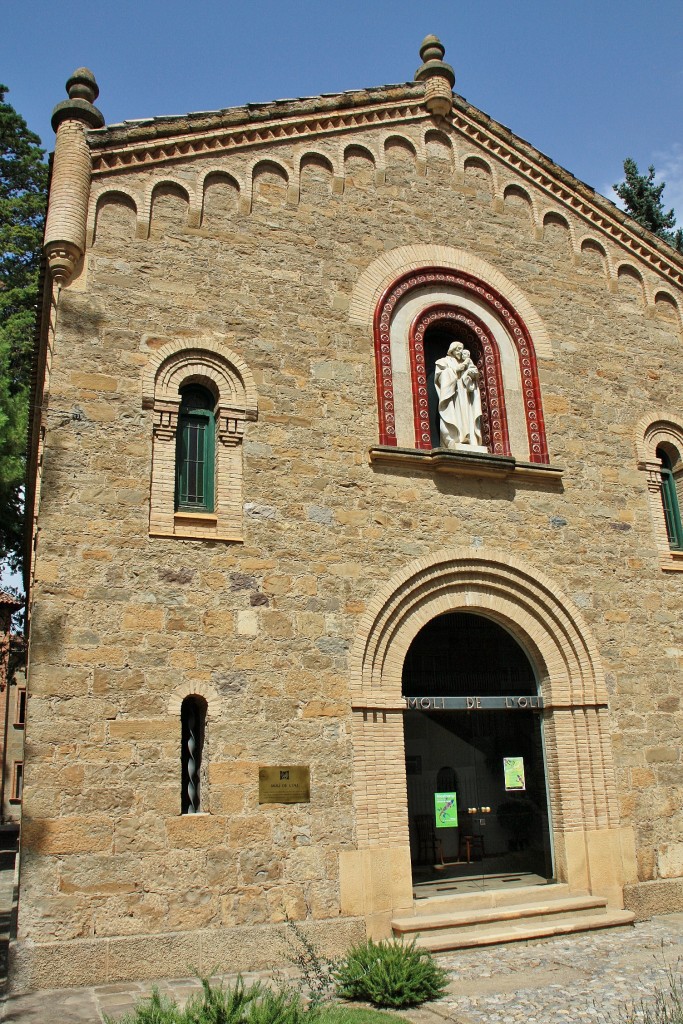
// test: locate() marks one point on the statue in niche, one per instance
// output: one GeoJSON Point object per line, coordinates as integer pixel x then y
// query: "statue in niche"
{"type": "Point", "coordinates": [456, 380]}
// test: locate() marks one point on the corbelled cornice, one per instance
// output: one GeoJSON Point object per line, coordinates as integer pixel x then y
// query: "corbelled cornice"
{"type": "Point", "coordinates": [141, 144]}
{"type": "Point", "coordinates": [572, 193]}
{"type": "Point", "coordinates": [160, 140]}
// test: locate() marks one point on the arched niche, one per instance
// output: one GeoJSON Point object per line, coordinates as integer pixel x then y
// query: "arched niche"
{"type": "Point", "coordinates": [594, 257]}
{"type": "Point", "coordinates": [439, 154]}
{"type": "Point", "coordinates": [630, 284]}
{"type": "Point", "coordinates": [219, 202]}
{"type": "Point", "coordinates": [517, 204]}
{"type": "Point", "coordinates": [359, 166]}
{"type": "Point", "coordinates": [398, 371]}
{"type": "Point", "coordinates": [556, 233]}
{"type": "Point", "coordinates": [479, 177]}
{"type": "Point", "coordinates": [315, 176]}
{"type": "Point", "coordinates": [169, 209]}
{"type": "Point", "coordinates": [269, 184]}
{"type": "Point", "coordinates": [400, 157]}
{"type": "Point", "coordinates": [115, 217]}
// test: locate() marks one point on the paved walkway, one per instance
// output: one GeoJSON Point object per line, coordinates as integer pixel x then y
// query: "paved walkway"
{"type": "Point", "coordinates": [553, 981]}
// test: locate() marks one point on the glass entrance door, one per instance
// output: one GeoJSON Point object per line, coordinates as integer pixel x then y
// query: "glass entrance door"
{"type": "Point", "coordinates": [477, 801]}
{"type": "Point", "coordinates": [475, 772]}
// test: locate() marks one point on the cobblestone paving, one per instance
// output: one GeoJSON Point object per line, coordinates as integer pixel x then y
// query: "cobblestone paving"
{"type": "Point", "coordinates": [587, 977]}
{"type": "Point", "coordinates": [554, 981]}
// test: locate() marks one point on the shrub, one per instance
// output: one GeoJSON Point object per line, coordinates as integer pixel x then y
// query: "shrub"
{"type": "Point", "coordinates": [284, 1007]}
{"type": "Point", "coordinates": [219, 1005]}
{"type": "Point", "coordinates": [315, 970]}
{"type": "Point", "coordinates": [393, 974]}
{"type": "Point", "coordinates": [155, 1010]}
{"type": "Point", "coordinates": [216, 1004]}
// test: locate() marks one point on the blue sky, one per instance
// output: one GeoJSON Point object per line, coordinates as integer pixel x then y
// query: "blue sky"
{"type": "Point", "coordinates": [588, 83]}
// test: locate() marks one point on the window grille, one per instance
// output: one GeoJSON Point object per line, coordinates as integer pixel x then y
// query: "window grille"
{"type": "Point", "coordinates": [193, 722]}
{"type": "Point", "coordinates": [195, 451]}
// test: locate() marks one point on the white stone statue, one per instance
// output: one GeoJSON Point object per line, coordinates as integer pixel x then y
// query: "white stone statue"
{"type": "Point", "coordinates": [456, 379]}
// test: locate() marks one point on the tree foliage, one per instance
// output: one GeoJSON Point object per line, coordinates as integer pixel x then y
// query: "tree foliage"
{"type": "Point", "coordinates": [23, 195]}
{"type": "Point", "coordinates": [643, 200]}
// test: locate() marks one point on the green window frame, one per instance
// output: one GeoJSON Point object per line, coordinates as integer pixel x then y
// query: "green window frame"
{"type": "Point", "coordinates": [672, 512]}
{"type": "Point", "coordinates": [195, 452]}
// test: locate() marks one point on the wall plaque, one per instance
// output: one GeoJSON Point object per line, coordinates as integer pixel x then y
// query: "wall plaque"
{"type": "Point", "coordinates": [284, 784]}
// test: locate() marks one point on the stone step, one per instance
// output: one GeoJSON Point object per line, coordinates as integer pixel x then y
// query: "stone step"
{"type": "Point", "coordinates": [489, 919]}
{"type": "Point", "coordinates": [445, 902]}
{"type": "Point", "coordinates": [521, 931]}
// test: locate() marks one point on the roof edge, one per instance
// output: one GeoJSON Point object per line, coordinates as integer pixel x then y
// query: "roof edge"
{"type": "Point", "coordinates": [249, 113]}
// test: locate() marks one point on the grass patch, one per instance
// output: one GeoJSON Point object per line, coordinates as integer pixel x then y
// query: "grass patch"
{"type": "Point", "coordinates": [355, 1015]}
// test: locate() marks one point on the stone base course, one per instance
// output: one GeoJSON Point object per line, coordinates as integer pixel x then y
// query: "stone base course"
{"type": "Point", "coordinates": [174, 954]}
{"type": "Point", "coordinates": [663, 896]}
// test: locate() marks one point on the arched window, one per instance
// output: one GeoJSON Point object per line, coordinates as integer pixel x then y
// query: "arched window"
{"type": "Point", "coordinates": [202, 396]}
{"type": "Point", "coordinates": [659, 444]}
{"type": "Point", "coordinates": [195, 450]}
{"type": "Point", "coordinates": [671, 482]}
{"type": "Point", "coordinates": [193, 725]}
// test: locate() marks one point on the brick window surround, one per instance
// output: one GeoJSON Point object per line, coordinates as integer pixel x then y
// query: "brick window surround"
{"type": "Point", "coordinates": [663, 431]}
{"type": "Point", "coordinates": [211, 365]}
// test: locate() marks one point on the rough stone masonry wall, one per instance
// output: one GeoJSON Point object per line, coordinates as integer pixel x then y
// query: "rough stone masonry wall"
{"type": "Point", "coordinates": [123, 623]}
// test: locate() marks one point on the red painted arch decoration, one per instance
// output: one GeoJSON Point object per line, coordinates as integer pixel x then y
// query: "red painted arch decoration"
{"type": "Point", "coordinates": [494, 418]}
{"type": "Point", "coordinates": [517, 329]}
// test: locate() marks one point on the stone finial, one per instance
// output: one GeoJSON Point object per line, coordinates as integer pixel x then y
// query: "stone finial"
{"type": "Point", "coordinates": [83, 91]}
{"type": "Point", "coordinates": [439, 77]}
{"type": "Point", "coordinates": [82, 85]}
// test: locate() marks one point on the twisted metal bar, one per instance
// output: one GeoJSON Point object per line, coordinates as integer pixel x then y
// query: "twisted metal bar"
{"type": "Point", "coordinates": [192, 766]}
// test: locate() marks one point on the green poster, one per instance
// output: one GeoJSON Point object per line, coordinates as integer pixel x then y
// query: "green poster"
{"type": "Point", "coordinates": [513, 769]}
{"type": "Point", "coordinates": [446, 810]}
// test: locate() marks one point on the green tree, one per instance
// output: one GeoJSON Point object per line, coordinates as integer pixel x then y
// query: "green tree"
{"type": "Point", "coordinates": [643, 200]}
{"type": "Point", "coordinates": [23, 195]}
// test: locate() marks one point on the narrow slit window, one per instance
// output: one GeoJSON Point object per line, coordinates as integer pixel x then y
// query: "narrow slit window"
{"type": "Point", "coordinates": [193, 728]}
{"type": "Point", "coordinates": [20, 709]}
{"type": "Point", "coordinates": [17, 782]}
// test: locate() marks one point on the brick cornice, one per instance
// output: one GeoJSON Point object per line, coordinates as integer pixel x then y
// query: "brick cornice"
{"type": "Point", "coordinates": [133, 155]}
{"type": "Point", "coordinates": [570, 192]}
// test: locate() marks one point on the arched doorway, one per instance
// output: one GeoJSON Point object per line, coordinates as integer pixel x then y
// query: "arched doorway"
{"type": "Point", "coordinates": [475, 768]}
{"type": "Point", "coordinates": [592, 851]}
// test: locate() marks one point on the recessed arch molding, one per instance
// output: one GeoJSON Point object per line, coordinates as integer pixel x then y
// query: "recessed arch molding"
{"type": "Point", "coordinates": [548, 626]}
{"type": "Point", "coordinates": [519, 333]}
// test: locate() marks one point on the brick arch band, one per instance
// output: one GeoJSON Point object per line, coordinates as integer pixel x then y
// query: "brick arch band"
{"type": "Point", "coordinates": [581, 779]}
{"type": "Point", "coordinates": [494, 417]}
{"type": "Point", "coordinates": [516, 328]}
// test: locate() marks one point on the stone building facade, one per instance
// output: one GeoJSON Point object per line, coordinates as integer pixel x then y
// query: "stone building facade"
{"type": "Point", "coordinates": [273, 285]}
